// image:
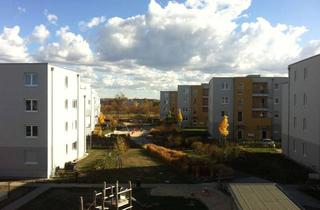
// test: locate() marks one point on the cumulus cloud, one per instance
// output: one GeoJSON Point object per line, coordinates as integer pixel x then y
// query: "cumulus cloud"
{"type": "Point", "coordinates": [312, 48]}
{"type": "Point", "coordinates": [21, 9]}
{"type": "Point", "coordinates": [94, 22]}
{"type": "Point", "coordinates": [12, 46]}
{"type": "Point", "coordinates": [52, 18]}
{"type": "Point", "coordinates": [71, 48]}
{"type": "Point", "coordinates": [40, 33]}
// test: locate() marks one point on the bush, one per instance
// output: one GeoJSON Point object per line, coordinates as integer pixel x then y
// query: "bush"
{"type": "Point", "coordinates": [175, 140]}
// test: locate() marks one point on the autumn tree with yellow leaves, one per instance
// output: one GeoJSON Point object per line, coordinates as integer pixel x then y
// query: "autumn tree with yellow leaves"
{"type": "Point", "coordinates": [223, 127]}
{"type": "Point", "coordinates": [179, 117]}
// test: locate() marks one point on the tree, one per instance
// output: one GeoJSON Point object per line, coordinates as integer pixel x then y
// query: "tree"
{"type": "Point", "coordinates": [223, 127]}
{"type": "Point", "coordinates": [179, 117]}
{"type": "Point", "coordinates": [101, 119]}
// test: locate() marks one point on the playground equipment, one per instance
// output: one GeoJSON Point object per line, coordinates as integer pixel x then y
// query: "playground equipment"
{"type": "Point", "coordinates": [113, 197]}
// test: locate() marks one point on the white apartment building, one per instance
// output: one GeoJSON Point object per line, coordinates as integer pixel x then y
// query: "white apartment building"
{"type": "Point", "coordinates": [41, 119]}
{"type": "Point", "coordinates": [301, 113]}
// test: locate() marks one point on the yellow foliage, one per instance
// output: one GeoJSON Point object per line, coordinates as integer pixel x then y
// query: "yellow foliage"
{"type": "Point", "coordinates": [101, 118]}
{"type": "Point", "coordinates": [223, 126]}
{"type": "Point", "coordinates": [179, 116]}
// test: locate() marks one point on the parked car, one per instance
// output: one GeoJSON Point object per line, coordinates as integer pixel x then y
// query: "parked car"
{"type": "Point", "coordinates": [268, 143]}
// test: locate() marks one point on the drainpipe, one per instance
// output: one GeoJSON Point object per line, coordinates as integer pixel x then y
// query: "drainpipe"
{"type": "Point", "coordinates": [78, 140]}
{"type": "Point", "coordinates": [52, 166]}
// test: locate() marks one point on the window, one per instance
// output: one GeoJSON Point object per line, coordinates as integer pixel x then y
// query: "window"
{"type": "Point", "coordinates": [74, 145]}
{"type": "Point", "coordinates": [31, 79]}
{"type": "Point", "coordinates": [66, 104]}
{"type": "Point", "coordinates": [225, 100]}
{"type": "Point", "coordinates": [304, 124]}
{"type": "Point", "coordinates": [240, 102]}
{"type": "Point", "coordinates": [224, 86]}
{"type": "Point", "coordinates": [276, 115]}
{"type": "Point", "coordinates": [240, 116]}
{"type": "Point", "coordinates": [205, 101]}
{"type": "Point", "coordinates": [66, 126]}
{"type": "Point", "coordinates": [305, 73]}
{"type": "Point", "coordinates": [294, 99]}
{"type": "Point", "coordinates": [31, 105]}
{"type": "Point", "coordinates": [66, 82]}
{"type": "Point", "coordinates": [304, 99]}
{"type": "Point", "coordinates": [295, 75]}
{"type": "Point", "coordinates": [31, 131]}
{"type": "Point", "coordinates": [294, 122]}
{"type": "Point", "coordinates": [74, 103]}
{"type": "Point", "coordinates": [66, 148]}
{"type": "Point", "coordinates": [276, 101]}
{"type": "Point", "coordinates": [30, 157]}
{"type": "Point", "coordinates": [75, 124]}
{"type": "Point", "coordinates": [205, 109]}
{"type": "Point", "coordinates": [276, 86]}
{"type": "Point", "coordinates": [223, 113]}
{"type": "Point", "coordinates": [239, 134]}
{"type": "Point", "coordinates": [304, 150]}
{"type": "Point", "coordinates": [89, 102]}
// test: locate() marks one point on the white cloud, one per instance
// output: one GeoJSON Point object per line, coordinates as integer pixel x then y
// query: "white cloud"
{"type": "Point", "coordinates": [12, 46]}
{"type": "Point", "coordinates": [95, 21]}
{"type": "Point", "coordinates": [21, 9]}
{"type": "Point", "coordinates": [312, 48]}
{"type": "Point", "coordinates": [40, 33]}
{"type": "Point", "coordinates": [52, 18]}
{"type": "Point", "coordinates": [71, 48]}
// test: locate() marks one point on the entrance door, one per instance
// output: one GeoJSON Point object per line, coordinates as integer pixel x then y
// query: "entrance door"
{"type": "Point", "coordinates": [264, 134]}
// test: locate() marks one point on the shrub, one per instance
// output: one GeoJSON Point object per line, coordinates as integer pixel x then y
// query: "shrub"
{"type": "Point", "coordinates": [175, 140]}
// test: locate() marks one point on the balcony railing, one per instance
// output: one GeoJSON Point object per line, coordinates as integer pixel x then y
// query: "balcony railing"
{"type": "Point", "coordinates": [260, 93]}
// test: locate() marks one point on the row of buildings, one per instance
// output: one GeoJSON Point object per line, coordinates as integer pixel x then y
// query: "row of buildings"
{"type": "Point", "coordinates": [280, 108]}
{"type": "Point", "coordinates": [45, 116]}
{"type": "Point", "coordinates": [252, 104]}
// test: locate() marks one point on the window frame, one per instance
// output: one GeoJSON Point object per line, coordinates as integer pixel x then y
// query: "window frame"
{"type": "Point", "coordinates": [32, 136]}
{"type": "Point", "coordinates": [32, 75]}
{"type": "Point", "coordinates": [31, 105]}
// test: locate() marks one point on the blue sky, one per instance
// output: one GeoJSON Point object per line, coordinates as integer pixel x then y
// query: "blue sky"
{"type": "Point", "coordinates": [155, 45]}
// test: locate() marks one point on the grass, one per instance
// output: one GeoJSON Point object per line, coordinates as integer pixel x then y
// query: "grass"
{"type": "Point", "coordinates": [15, 193]}
{"type": "Point", "coordinates": [270, 165]}
{"type": "Point", "coordinates": [137, 165]}
{"type": "Point", "coordinates": [260, 149]}
{"type": "Point", "coordinates": [69, 198]}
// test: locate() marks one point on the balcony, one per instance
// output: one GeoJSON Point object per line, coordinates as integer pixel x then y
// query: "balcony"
{"type": "Point", "coordinates": [260, 93]}
{"type": "Point", "coordinates": [260, 108]}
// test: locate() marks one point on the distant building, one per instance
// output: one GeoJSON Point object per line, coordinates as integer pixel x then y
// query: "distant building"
{"type": "Point", "coordinates": [252, 104]}
{"type": "Point", "coordinates": [168, 103]}
{"type": "Point", "coordinates": [43, 118]}
{"type": "Point", "coordinates": [301, 113]}
{"type": "Point", "coordinates": [199, 105]}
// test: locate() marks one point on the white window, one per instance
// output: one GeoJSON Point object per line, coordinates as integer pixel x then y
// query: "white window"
{"type": "Point", "coordinates": [304, 99]}
{"type": "Point", "coordinates": [74, 145]}
{"type": "Point", "coordinates": [66, 82]}
{"type": "Point", "coordinates": [305, 73]}
{"type": "Point", "coordinates": [66, 104]}
{"type": "Point", "coordinates": [66, 126]}
{"type": "Point", "coordinates": [224, 86]}
{"type": "Point", "coordinates": [31, 79]}
{"type": "Point", "coordinates": [30, 157]}
{"type": "Point", "coordinates": [276, 86]}
{"type": "Point", "coordinates": [31, 131]}
{"type": "Point", "coordinates": [74, 103]}
{"type": "Point", "coordinates": [294, 122]}
{"type": "Point", "coordinates": [31, 105]}
{"type": "Point", "coordinates": [276, 101]}
{"type": "Point", "coordinates": [225, 100]}
{"type": "Point", "coordinates": [304, 124]}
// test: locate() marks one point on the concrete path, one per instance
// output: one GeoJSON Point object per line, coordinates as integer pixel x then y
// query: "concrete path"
{"type": "Point", "coordinates": [27, 198]}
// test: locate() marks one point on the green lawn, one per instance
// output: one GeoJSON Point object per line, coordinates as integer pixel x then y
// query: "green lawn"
{"type": "Point", "coordinates": [137, 165]}
{"type": "Point", "coordinates": [69, 198]}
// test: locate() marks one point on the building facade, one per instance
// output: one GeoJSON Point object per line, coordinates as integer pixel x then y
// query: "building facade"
{"type": "Point", "coordinates": [252, 104]}
{"type": "Point", "coordinates": [168, 103]}
{"type": "Point", "coordinates": [199, 105]}
{"type": "Point", "coordinates": [42, 119]}
{"type": "Point", "coordinates": [301, 113]}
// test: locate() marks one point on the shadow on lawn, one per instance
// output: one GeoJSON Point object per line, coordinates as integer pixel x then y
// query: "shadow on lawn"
{"type": "Point", "coordinates": [271, 166]}
{"type": "Point", "coordinates": [150, 174]}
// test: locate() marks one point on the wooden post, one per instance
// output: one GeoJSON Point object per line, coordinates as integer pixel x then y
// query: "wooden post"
{"type": "Point", "coordinates": [117, 190]}
{"type": "Point", "coordinates": [95, 198]}
{"type": "Point", "coordinates": [103, 197]}
{"type": "Point", "coordinates": [8, 193]}
{"type": "Point", "coordinates": [81, 203]}
{"type": "Point", "coordinates": [130, 194]}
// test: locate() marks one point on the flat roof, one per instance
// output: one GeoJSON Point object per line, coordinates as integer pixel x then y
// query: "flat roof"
{"type": "Point", "coordinates": [248, 196]}
{"type": "Point", "coordinates": [304, 59]}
